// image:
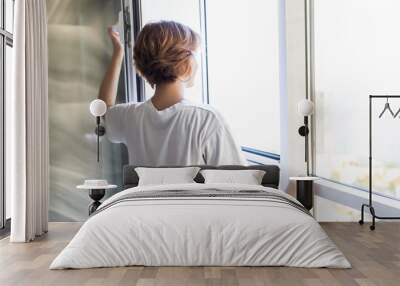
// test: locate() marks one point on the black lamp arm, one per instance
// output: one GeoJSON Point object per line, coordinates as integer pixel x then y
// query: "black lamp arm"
{"type": "Point", "coordinates": [99, 131]}
{"type": "Point", "coordinates": [305, 131]}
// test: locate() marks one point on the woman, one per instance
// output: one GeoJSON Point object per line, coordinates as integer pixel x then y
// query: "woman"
{"type": "Point", "coordinates": [167, 129]}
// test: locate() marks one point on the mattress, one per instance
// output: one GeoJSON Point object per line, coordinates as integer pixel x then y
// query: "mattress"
{"type": "Point", "coordinates": [201, 225]}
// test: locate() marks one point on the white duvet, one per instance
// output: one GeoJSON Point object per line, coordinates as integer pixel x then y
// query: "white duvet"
{"type": "Point", "coordinates": [200, 231]}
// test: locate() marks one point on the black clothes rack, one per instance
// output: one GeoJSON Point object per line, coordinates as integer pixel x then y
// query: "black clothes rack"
{"type": "Point", "coordinates": [369, 205]}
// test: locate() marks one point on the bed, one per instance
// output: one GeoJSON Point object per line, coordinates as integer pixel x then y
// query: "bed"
{"type": "Point", "coordinates": [199, 224]}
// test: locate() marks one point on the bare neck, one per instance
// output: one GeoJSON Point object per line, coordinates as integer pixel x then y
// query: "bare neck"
{"type": "Point", "coordinates": [167, 95]}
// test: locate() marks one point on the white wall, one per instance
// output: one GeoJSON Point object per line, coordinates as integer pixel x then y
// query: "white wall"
{"type": "Point", "coordinates": [292, 146]}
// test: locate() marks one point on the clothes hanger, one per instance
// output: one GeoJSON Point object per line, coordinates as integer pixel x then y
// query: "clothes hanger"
{"type": "Point", "coordinates": [387, 107]}
{"type": "Point", "coordinates": [397, 113]}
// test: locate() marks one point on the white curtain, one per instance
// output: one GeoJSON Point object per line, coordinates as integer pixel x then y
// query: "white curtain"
{"type": "Point", "coordinates": [27, 144]}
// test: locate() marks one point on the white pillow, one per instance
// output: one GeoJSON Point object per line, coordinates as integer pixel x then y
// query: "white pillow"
{"type": "Point", "coordinates": [248, 177]}
{"type": "Point", "coordinates": [163, 176]}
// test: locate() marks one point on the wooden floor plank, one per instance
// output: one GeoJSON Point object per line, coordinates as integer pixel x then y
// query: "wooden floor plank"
{"type": "Point", "coordinates": [375, 257]}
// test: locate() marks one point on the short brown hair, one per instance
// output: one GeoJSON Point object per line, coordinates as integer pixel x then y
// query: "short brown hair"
{"type": "Point", "coordinates": [163, 51]}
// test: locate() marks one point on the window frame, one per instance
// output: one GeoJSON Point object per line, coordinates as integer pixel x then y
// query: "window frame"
{"type": "Point", "coordinates": [309, 18]}
{"type": "Point", "coordinates": [204, 49]}
{"type": "Point", "coordinates": [134, 28]}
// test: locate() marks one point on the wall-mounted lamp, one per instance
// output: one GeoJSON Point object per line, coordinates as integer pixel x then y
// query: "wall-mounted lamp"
{"type": "Point", "coordinates": [305, 108]}
{"type": "Point", "coordinates": [98, 108]}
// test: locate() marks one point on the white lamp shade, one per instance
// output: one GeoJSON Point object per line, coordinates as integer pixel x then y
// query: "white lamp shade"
{"type": "Point", "coordinates": [98, 107]}
{"type": "Point", "coordinates": [305, 107]}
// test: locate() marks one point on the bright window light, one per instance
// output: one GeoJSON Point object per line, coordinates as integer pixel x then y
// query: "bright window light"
{"type": "Point", "coordinates": [243, 68]}
{"type": "Point", "coordinates": [357, 54]}
{"type": "Point", "coordinates": [183, 11]}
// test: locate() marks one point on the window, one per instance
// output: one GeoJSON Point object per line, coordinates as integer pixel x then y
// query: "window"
{"type": "Point", "coordinates": [243, 69]}
{"type": "Point", "coordinates": [186, 12]}
{"type": "Point", "coordinates": [6, 44]}
{"type": "Point", "coordinates": [241, 78]}
{"type": "Point", "coordinates": [79, 55]}
{"type": "Point", "coordinates": [356, 53]}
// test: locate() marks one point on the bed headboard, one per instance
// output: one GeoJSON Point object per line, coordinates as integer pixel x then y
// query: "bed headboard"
{"type": "Point", "coordinates": [271, 178]}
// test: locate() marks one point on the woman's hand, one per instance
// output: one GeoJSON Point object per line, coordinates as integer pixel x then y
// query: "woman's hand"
{"type": "Point", "coordinates": [109, 85]}
{"type": "Point", "coordinates": [116, 41]}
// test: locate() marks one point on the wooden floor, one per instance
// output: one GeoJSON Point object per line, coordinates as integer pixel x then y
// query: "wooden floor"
{"type": "Point", "coordinates": [375, 257]}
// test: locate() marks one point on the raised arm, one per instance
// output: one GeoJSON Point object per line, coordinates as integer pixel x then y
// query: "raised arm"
{"type": "Point", "coordinates": [109, 85]}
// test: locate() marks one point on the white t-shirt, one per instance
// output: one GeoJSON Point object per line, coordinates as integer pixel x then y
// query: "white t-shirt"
{"type": "Point", "coordinates": [180, 135]}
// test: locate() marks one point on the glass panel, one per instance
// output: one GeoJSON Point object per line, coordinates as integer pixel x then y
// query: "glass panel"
{"type": "Point", "coordinates": [8, 92]}
{"type": "Point", "coordinates": [357, 54]}
{"type": "Point", "coordinates": [243, 68]}
{"type": "Point", "coordinates": [9, 15]}
{"type": "Point", "coordinates": [183, 11]}
{"type": "Point", "coordinates": [79, 53]}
